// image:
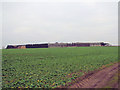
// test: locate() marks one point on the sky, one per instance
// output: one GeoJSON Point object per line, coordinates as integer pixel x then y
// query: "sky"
{"type": "Point", "coordinates": [41, 22]}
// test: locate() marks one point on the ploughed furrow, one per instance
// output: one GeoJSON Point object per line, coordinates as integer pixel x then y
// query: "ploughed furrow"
{"type": "Point", "coordinates": [99, 79]}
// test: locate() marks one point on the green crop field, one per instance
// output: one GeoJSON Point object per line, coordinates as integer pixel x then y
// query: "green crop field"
{"type": "Point", "coordinates": [52, 67]}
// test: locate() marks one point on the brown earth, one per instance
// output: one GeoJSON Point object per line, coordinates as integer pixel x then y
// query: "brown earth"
{"type": "Point", "coordinates": [100, 79]}
{"type": "Point", "coordinates": [105, 78]}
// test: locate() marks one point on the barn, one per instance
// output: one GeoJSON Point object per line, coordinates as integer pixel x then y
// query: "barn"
{"type": "Point", "coordinates": [37, 46]}
{"type": "Point", "coordinates": [50, 45]}
{"type": "Point", "coordinates": [16, 47]}
{"type": "Point", "coordinates": [27, 46]}
{"type": "Point", "coordinates": [77, 44]}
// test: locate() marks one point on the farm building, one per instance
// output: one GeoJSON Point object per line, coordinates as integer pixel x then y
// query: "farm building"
{"type": "Point", "coordinates": [50, 45]}
{"type": "Point", "coordinates": [77, 44]}
{"type": "Point", "coordinates": [16, 47]}
{"type": "Point", "coordinates": [37, 46]}
{"type": "Point", "coordinates": [27, 46]}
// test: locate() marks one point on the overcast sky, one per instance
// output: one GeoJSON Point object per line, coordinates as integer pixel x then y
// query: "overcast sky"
{"type": "Point", "coordinates": [36, 22]}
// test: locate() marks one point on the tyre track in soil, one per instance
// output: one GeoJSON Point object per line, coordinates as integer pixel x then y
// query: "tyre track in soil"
{"type": "Point", "coordinates": [98, 79]}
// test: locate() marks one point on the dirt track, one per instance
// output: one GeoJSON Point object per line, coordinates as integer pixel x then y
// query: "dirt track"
{"type": "Point", "coordinates": [103, 78]}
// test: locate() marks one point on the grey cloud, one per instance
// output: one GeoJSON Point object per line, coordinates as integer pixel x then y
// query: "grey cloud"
{"type": "Point", "coordinates": [63, 22]}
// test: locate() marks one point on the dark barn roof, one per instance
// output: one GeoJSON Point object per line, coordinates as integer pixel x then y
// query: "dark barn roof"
{"type": "Point", "coordinates": [37, 46]}
{"type": "Point", "coordinates": [46, 45]}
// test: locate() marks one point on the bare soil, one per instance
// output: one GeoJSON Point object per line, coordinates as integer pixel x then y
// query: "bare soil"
{"type": "Point", "coordinates": [99, 79]}
{"type": "Point", "coordinates": [105, 78]}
